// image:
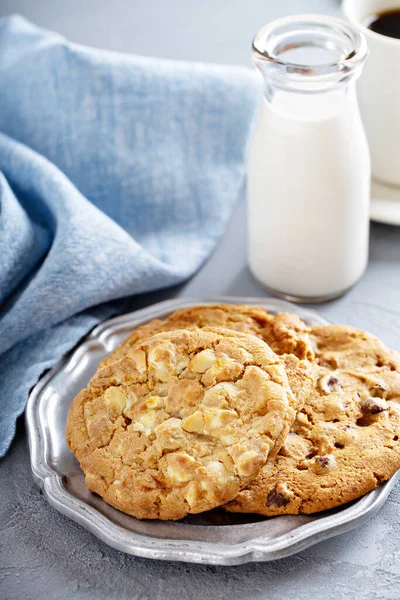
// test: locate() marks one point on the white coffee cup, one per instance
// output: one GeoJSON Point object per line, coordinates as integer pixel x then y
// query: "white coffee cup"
{"type": "Point", "coordinates": [379, 90]}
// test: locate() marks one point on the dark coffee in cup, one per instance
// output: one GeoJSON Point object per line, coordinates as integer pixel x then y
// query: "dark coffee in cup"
{"type": "Point", "coordinates": [386, 23]}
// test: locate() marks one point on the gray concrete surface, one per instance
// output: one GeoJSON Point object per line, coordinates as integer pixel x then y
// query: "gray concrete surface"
{"type": "Point", "coordinates": [43, 554]}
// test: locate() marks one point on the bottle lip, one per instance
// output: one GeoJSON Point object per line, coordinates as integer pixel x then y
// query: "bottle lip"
{"type": "Point", "coordinates": [280, 35]}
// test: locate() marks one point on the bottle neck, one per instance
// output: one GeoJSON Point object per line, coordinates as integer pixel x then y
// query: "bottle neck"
{"type": "Point", "coordinates": [342, 90]}
{"type": "Point", "coordinates": [340, 101]}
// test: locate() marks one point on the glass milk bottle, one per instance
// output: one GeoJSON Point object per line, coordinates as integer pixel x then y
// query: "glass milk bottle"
{"type": "Point", "coordinates": [309, 163]}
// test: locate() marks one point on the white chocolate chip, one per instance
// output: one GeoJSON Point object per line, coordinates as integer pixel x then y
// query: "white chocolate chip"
{"type": "Point", "coordinates": [139, 357]}
{"type": "Point", "coordinates": [172, 423]}
{"type": "Point", "coordinates": [194, 422]}
{"type": "Point", "coordinates": [247, 462]}
{"type": "Point", "coordinates": [220, 394]}
{"type": "Point", "coordinates": [148, 419]}
{"type": "Point", "coordinates": [223, 368]}
{"type": "Point", "coordinates": [192, 493]}
{"type": "Point", "coordinates": [217, 470]}
{"type": "Point", "coordinates": [217, 419]}
{"type": "Point", "coordinates": [162, 359]}
{"type": "Point", "coordinates": [182, 364]}
{"type": "Point", "coordinates": [227, 438]}
{"type": "Point", "coordinates": [115, 398]}
{"type": "Point", "coordinates": [202, 361]}
{"type": "Point", "coordinates": [138, 427]}
{"type": "Point", "coordinates": [155, 402]}
{"type": "Point", "coordinates": [180, 467]}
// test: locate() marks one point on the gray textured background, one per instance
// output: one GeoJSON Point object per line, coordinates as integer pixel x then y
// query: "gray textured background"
{"type": "Point", "coordinates": [43, 554]}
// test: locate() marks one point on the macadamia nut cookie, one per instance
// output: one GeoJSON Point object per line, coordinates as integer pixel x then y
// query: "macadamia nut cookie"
{"type": "Point", "coordinates": [345, 440]}
{"type": "Point", "coordinates": [182, 422]}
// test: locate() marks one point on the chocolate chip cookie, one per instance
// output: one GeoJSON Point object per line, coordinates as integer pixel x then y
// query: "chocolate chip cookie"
{"type": "Point", "coordinates": [345, 440]}
{"type": "Point", "coordinates": [181, 422]}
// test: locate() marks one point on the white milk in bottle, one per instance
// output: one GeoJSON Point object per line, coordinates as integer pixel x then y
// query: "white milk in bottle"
{"type": "Point", "coordinates": [309, 164]}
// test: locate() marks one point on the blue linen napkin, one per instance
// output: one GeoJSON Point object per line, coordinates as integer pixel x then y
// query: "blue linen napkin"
{"type": "Point", "coordinates": [117, 176]}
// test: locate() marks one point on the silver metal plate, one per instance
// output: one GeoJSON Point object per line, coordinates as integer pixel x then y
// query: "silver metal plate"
{"type": "Point", "coordinates": [211, 538]}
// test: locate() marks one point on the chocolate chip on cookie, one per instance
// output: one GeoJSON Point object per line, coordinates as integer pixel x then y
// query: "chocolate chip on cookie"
{"type": "Point", "coordinates": [279, 496]}
{"type": "Point", "coordinates": [323, 464]}
{"type": "Point", "coordinates": [329, 383]}
{"type": "Point", "coordinates": [373, 406]}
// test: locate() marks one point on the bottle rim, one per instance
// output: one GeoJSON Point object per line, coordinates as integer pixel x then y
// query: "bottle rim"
{"type": "Point", "coordinates": [318, 31]}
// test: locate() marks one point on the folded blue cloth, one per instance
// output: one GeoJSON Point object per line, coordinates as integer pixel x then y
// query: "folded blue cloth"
{"type": "Point", "coordinates": [117, 176]}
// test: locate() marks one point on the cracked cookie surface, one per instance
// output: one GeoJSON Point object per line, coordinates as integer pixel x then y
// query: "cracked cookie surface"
{"type": "Point", "coordinates": [182, 422]}
{"type": "Point", "coordinates": [285, 333]}
{"type": "Point", "coordinates": [345, 441]}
